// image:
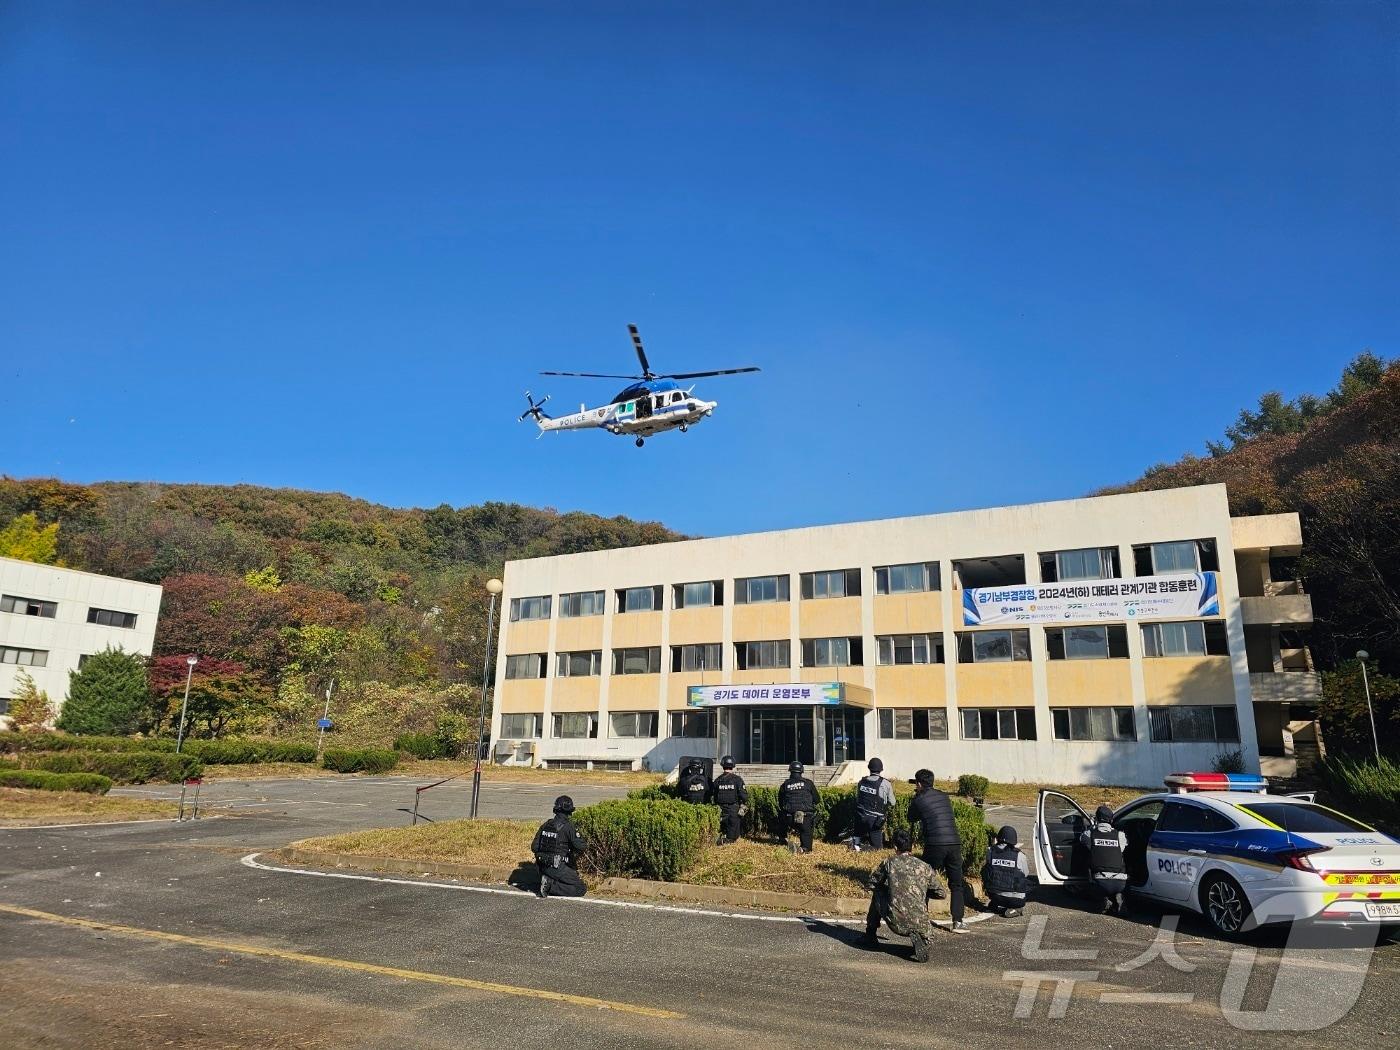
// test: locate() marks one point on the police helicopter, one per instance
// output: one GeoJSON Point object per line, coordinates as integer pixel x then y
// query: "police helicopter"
{"type": "Point", "coordinates": [650, 405]}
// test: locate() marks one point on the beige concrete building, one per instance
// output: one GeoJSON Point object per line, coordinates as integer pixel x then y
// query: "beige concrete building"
{"type": "Point", "coordinates": [1111, 639]}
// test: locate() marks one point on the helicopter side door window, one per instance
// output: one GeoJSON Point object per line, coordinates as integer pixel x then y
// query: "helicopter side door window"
{"type": "Point", "coordinates": [644, 407]}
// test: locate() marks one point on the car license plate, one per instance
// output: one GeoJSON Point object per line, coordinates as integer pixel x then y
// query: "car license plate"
{"type": "Point", "coordinates": [1382, 911]}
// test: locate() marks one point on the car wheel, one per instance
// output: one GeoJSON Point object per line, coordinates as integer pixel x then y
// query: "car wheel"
{"type": "Point", "coordinates": [1224, 904]}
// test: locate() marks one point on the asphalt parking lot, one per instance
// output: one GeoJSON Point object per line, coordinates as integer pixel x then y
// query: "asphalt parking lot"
{"type": "Point", "coordinates": [163, 934]}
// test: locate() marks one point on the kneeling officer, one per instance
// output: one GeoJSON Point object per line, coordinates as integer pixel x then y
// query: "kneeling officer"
{"type": "Point", "coordinates": [557, 847]}
{"type": "Point", "coordinates": [797, 805]}
{"type": "Point", "coordinates": [695, 786]}
{"type": "Point", "coordinates": [732, 797]}
{"type": "Point", "coordinates": [902, 885]}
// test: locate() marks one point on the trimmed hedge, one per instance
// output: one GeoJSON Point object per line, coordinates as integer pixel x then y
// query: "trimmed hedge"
{"type": "Point", "coordinates": [13, 743]}
{"type": "Point", "coordinates": [39, 780]}
{"type": "Point", "coordinates": [970, 785]}
{"type": "Point", "coordinates": [420, 745]}
{"type": "Point", "coordinates": [360, 760]}
{"type": "Point", "coordinates": [230, 752]}
{"type": "Point", "coordinates": [650, 838]}
{"type": "Point", "coordinates": [124, 767]}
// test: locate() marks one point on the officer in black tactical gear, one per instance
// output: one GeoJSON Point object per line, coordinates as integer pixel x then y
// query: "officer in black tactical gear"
{"type": "Point", "coordinates": [1005, 874]}
{"type": "Point", "coordinates": [694, 785]}
{"type": "Point", "coordinates": [732, 797]}
{"type": "Point", "coordinates": [797, 806]}
{"type": "Point", "coordinates": [557, 848]}
{"type": "Point", "coordinates": [874, 797]}
{"type": "Point", "coordinates": [1106, 865]}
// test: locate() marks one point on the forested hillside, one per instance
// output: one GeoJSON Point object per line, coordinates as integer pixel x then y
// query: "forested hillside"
{"type": "Point", "coordinates": [290, 589]}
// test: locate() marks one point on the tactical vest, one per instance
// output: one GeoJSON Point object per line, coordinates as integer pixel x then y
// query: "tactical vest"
{"type": "Point", "coordinates": [548, 842]}
{"type": "Point", "coordinates": [1105, 849]}
{"type": "Point", "coordinates": [1004, 872]}
{"type": "Point", "coordinates": [868, 798]}
{"type": "Point", "coordinates": [727, 790]}
{"type": "Point", "coordinates": [695, 789]}
{"type": "Point", "coordinates": [795, 799]}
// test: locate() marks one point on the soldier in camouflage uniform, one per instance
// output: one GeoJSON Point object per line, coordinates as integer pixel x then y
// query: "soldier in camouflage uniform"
{"type": "Point", "coordinates": [902, 885]}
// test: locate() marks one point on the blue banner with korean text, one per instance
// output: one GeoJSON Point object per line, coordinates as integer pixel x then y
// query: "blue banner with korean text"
{"type": "Point", "coordinates": [1175, 597]}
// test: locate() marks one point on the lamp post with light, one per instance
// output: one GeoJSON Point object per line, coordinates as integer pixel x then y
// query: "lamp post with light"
{"type": "Point", "coordinates": [493, 587]}
{"type": "Point", "coordinates": [1363, 656]}
{"type": "Point", "coordinates": [185, 704]}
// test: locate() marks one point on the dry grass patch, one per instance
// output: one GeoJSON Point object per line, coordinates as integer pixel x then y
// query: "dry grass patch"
{"type": "Point", "coordinates": [501, 843]}
{"type": "Point", "coordinates": [829, 870]}
{"type": "Point", "coordinates": [20, 807]}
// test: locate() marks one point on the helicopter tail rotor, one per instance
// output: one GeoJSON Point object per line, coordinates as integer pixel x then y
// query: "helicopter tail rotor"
{"type": "Point", "coordinates": [535, 409]}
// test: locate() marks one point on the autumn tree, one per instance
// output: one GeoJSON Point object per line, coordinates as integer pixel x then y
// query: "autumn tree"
{"type": "Point", "coordinates": [24, 538]}
{"type": "Point", "coordinates": [221, 692]}
{"type": "Point", "coordinates": [30, 706]}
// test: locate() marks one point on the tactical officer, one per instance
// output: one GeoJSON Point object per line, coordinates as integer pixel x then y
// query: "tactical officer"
{"type": "Point", "coordinates": [902, 885]}
{"type": "Point", "coordinates": [732, 797]}
{"type": "Point", "coordinates": [695, 786]}
{"type": "Point", "coordinates": [1005, 874]}
{"type": "Point", "coordinates": [933, 811]}
{"type": "Point", "coordinates": [797, 805]}
{"type": "Point", "coordinates": [1106, 846]}
{"type": "Point", "coordinates": [874, 797]}
{"type": "Point", "coordinates": [557, 847]}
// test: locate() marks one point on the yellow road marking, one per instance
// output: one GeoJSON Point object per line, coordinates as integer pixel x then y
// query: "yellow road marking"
{"type": "Point", "coordinates": [346, 964]}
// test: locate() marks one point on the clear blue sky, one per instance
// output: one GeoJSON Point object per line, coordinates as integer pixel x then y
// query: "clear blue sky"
{"type": "Point", "coordinates": [984, 253]}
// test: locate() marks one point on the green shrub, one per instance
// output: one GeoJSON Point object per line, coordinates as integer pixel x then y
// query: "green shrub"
{"type": "Point", "coordinates": [456, 733]}
{"type": "Point", "coordinates": [1228, 762]}
{"type": "Point", "coordinates": [39, 780]}
{"type": "Point", "coordinates": [1369, 788]}
{"type": "Point", "coordinates": [420, 745]}
{"type": "Point", "coordinates": [108, 696]}
{"type": "Point", "coordinates": [230, 752]}
{"type": "Point", "coordinates": [124, 767]}
{"type": "Point", "coordinates": [16, 742]}
{"type": "Point", "coordinates": [970, 785]}
{"type": "Point", "coordinates": [645, 838]}
{"type": "Point", "coordinates": [360, 760]}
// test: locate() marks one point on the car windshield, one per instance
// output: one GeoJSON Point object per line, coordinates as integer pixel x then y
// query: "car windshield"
{"type": "Point", "coordinates": [1304, 817]}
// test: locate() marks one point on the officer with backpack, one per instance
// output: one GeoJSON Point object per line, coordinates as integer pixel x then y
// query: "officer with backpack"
{"type": "Point", "coordinates": [694, 785]}
{"type": "Point", "coordinates": [797, 806]}
{"type": "Point", "coordinates": [874, 797]}
{"type": "Point", "coordinates": [557, 847]}
{"type": "Point", "coordinates": [1106, 846]}
{"type": "Point", "coordinates": [1006, 874]}
{"type": "Point", "coordinates": [732, 797]}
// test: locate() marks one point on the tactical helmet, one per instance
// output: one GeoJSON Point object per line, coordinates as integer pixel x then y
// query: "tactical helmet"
{"type": "Point", "coordinates": [876, 766]}
{"type": "Point", "coordinates": [796, 767]}
{"type": "Point", "coordinates": [727, 762]}
{"type": "Point", "coordinates": [564, 804]}
{"type": "Point", "coordinates": [1103, 815]}
{"type": "Point", "coordinates": [695, 765]}
{"type": "Point", "coordinates": [1007, 835]}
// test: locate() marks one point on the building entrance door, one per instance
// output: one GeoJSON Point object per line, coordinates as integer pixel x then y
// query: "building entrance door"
{"type": "Point", "coordinates": [782, 735]}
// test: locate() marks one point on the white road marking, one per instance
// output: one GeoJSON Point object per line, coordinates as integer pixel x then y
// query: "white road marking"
{"type": "Point", "coordinates": [100, 824]}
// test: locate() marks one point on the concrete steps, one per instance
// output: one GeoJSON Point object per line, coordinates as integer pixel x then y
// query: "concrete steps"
{"type": "Point", "coordinates": [772, 776]}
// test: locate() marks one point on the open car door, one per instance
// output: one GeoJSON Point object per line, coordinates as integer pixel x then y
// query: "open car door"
{"type": "Point", "coordinates": [1060, 858]}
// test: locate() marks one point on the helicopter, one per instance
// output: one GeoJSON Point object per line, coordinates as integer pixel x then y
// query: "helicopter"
{"type": "Point", "coordinates": [650, 405]}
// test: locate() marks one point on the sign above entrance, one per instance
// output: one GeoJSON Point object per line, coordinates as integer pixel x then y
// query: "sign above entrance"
{"type": "Point", "coordinates": [1135, 598]}
{"type": "Point", "coordinates": [803, 694]}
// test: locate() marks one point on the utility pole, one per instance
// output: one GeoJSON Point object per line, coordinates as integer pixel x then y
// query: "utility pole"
{"type": "Point", "coordinates": [1363, 656]}
{"type": "Point", "coordinates": [325, 720]}
{"type": "Point", "coordinates": [493, 587]}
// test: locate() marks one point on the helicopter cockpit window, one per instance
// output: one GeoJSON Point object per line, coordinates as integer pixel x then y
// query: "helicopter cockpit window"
{"type": "Point", "coordinates": [676, 397]}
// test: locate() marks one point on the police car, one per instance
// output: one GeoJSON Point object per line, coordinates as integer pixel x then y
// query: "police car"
{"type": "Point", "coordinates": [1218, 844]}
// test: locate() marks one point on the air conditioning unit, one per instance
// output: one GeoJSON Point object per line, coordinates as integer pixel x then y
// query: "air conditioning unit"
{"type": "Point", "coordinates": [527, 747]}
{"type": "Point", "coordinates": [505, 747]}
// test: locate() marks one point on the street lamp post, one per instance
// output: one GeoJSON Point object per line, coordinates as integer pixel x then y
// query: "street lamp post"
{"type": "Point", "coordinates": [493, 587]}
{"type": "Point", "coordinates": [185, 704]}
{"type": "Point", "coordinates": [1363, 656]}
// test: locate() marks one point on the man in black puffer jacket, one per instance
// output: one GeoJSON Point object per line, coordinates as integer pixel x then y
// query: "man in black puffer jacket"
{"type": "Point", "coordinates": [932, 810]}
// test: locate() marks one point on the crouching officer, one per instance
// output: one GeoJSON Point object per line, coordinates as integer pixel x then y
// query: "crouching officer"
{"type": "Point", "coordinates": [902, 885]}
{"type": "Point", "coordinates": [557, 847]}
{"type": "Point", "coordinates": [874, 797]}
{"type": "Point", "coordinates": [1106, 846]}
{"type": "Point", "coordinates": [1005, 875]}
{"type": "Point", "coordinates": [694, 786]}
{"type": "Point", "coordinates": [732, 797]}
{"type": "Point", "coordinates": [797, 803]}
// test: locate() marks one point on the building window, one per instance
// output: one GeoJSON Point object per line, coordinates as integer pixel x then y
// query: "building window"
{"type": "Point", "coordinates": [1090, 642]}
{"type": "Point", "coordinates": [1087, 563]}
{"type": "Point", "coordinates": [832, 652]}
{"type": "Point", "coordinates": [575, 726]}
{"type": "Point", "coordinates": [581, 603]}
{"type": "Point", "coordinates": [904, 579]}
{"type": "Point", "coordinates": [530, 608]}
{"type": "Point", "coordinates": [24, 657]}
{"type": "Point", "coordinates": [578, 665]}
{"type": "Point", "coordinates": [84, 658]}
{"type": "Point", "coordinates": [757, 589]}
{"type": "Point", "coordinates": [1093, 723]}
{"type": "Point", "coordinates": [4, 705]}
{"type": "Point", "coordinates": [993, 647]}
{"type": "Point", "coordinates": [836, 583]}
{"type": "Point", "coordinates": [527, 665]}
{"type": "Point", "coordinates": [111, 618]}
{"type": "Point", "coordinates": [706, 657]}
{"type": "Point", "coordinates": [1186, 724]}
{"type": "Point", "coordinates": [998, 723]}
{"type": "Point", "coordinates": [520, 727]}
{"type": "Point", "coordinates": [698, 595]}
{"type": "Point", "coordinates": [644, 660]}
{"type": "Point", "coordinates": [897, 649]}
{"type": "Point", "coordinates": [639, 599]}
{"type": "Point", "coordinates": [1187, 638]}
{"type": "Point", "coordinates": [696, 725]}
{"type": "Point", "coordinates": [1175, 558]}
{"type": "Point", "coordinates": [758, 656]}
{"type": "Point", "coordinates": [11, 603]}
{"type": "Point", "coordinates": [632, 724]}
{"type": "Point", "coordinates": [919, 723]}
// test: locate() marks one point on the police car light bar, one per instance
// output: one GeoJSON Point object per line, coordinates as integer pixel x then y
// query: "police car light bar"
{"type": "Point", "coordinates": [1181, 783]}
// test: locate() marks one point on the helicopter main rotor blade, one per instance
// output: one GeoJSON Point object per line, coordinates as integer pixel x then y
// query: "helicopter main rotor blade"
{"type": "Point", "coordinates": [591, 375]}
{"type": "Point", "coordinates": [702, 375]}
{"type": "Point", "coordinates": [641, 354]}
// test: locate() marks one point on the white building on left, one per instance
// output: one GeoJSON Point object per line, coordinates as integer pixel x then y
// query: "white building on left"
{"type": "Point", "coordinates": [52, 618]}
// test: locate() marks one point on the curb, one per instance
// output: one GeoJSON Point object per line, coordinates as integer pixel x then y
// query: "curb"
{"type": "Point", "coordinates": [647, 889]}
